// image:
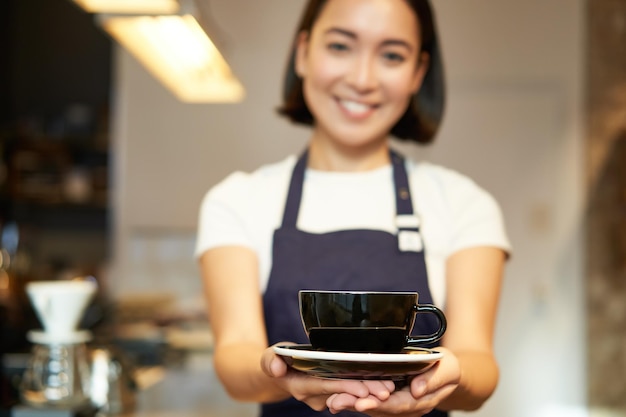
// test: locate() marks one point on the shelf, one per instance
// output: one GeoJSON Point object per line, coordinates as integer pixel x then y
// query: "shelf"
{"type": "Point", "coordinates": [62, 216]}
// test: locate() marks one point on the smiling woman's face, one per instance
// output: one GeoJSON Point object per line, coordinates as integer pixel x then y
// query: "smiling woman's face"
{"type": "Point", "coordinates": [360, 68]}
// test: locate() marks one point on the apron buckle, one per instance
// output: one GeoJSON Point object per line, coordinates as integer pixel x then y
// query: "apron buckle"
{"type": "Point", "coordinates": [410, 241]}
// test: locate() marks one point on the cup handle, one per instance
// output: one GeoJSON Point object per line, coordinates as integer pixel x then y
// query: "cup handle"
{"type": "Point", "coordinates": [431, 338]}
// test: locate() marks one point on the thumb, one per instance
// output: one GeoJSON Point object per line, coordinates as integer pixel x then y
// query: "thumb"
{"type": "Point", "coordinates": [273, 365]}
{"type": "Point", "coordinates": [277, 367]}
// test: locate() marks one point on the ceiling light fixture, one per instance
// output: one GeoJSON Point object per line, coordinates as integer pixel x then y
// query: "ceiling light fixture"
{"type": "Point", "coordinates": [129, 6]}
{"type": "Point", "coordinates": [177, 50]}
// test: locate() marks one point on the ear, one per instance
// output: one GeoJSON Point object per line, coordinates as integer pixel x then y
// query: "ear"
{"type": "Point", "coordinates": [302, 45]}
{"type": "Point", "coordinates": [420, 71]}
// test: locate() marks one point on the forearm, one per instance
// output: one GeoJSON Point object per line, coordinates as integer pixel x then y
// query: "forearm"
{"type": "Point", "coordinates": [239, 370]}
{"type": "Point", "coordinates": [479, 377]}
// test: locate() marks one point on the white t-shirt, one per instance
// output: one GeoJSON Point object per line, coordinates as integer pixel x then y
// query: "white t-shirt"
{"type": "Point", "coordinates": [245, 209]}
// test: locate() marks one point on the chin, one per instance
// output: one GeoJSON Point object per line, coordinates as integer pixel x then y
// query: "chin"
{"type": "Point", "coordinates": [361, 139]}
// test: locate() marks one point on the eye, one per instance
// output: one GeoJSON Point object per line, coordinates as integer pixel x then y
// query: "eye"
{"type": "Point", "coordinates": [337, 46]}
{"type": "Point", "coordinates": [394, 57]}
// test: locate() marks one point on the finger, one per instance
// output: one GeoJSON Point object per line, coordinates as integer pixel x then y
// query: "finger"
{"type": "Point", "coordinates": [304, 386]}
{"type": "Point", "coordinates": [273, 365]}
{"type": "Point", "coordinates": [380, 389]}
{"type": "Point", "coordinates": [419, 387]}
{"type": "Point", "coordinates": [365, 404]}
{"type": "Point", "coordinates": [398, 403]}
{"type": "Point", "coordinates": [445, 372]}
{"type": "Point", "coordinates": [269, 365]}
{"type": "Point", "coordinates": [355, 388]}
{"type": "Point", "coordinates": [340, 402]}
{"type": "Point", "coordinates": [330, 400]}
{"type": "Point", "coordinates": [426, 382]}
{"type": "Point", "coordinates": [391, 386]}
{"type": "Point", "coordinates": [277, 367]}
{"type": "Point", "coordinates": [402, 402]}
{"type": "Point", "coordinates": [433, 398]}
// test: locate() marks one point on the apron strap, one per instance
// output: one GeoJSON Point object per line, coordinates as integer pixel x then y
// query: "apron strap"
{"type": "Point", "coordinates": [404, 206]}
{"type": "Point", "coordinates": [405, 218]}
{"type": "Point", "coordinates": [408, 223]}
{"type": "Point", "coordinates": [292, 206]}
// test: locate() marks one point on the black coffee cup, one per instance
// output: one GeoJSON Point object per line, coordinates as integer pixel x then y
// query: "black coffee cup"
{"type": "Point", "coordinates": [364, 321]}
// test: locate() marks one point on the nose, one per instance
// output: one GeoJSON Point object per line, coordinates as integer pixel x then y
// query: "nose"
{"type": "Point", "coordinates": [362, 74]}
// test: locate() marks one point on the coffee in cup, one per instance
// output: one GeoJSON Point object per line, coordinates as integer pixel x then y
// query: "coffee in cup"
{"type": "Point", "coordinates": [365, 321]}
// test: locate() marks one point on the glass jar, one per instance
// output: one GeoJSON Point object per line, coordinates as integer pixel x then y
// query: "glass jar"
{"type": "Point", "coordinates": [57, 375]}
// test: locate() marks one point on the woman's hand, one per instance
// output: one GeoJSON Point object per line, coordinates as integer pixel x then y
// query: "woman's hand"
{"type": "Point", "coordinates": [421, 396]}
{"type": "Point", "coordinates": [473, 278]}
{"type": "Point", "coordinates": [317, 392]}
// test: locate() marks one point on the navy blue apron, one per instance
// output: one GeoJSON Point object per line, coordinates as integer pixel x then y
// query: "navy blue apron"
{"type": "Point", "coordinates": [364, 260]}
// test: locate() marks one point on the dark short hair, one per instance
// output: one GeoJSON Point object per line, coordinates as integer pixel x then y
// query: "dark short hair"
{"type": "Point", "coordinates": [422, 117]}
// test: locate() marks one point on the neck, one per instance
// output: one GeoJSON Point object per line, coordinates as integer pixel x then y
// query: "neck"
{"type": "Point", "coordinates": [326, 156]}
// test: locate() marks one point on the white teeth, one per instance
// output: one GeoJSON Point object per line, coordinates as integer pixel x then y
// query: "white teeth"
{"type": "Point", "coordinates": [354, 107]}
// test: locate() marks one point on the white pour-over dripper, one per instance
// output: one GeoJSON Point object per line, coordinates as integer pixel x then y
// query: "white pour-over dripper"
{"type": "Point", "coordinates": [60, 306]}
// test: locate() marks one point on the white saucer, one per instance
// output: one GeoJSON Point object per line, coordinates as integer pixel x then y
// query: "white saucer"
{"type": "Point", "coordinates": [43, 338]}
{"type": "Point", "coordinates": [408, 355]}
{"type": "Point", "coordinates": [347, 365]}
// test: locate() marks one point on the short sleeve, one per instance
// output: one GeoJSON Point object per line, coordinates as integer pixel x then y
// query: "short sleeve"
{"type": "Point", "coordinates": [220, 220]}
{"type": "Point", "coordinates": [477, 218]}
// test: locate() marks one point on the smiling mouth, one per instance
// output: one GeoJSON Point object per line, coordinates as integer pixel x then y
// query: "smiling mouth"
{"type": "Point", "coordinates": [356, 109]}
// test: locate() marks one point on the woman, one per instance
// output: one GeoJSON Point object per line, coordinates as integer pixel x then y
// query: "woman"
{"type": "Point", "coordinates": [350, 213]}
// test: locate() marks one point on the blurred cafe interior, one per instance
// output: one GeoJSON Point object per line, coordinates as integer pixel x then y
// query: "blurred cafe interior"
{"type": "Point", "coordinates": [105, 157]}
